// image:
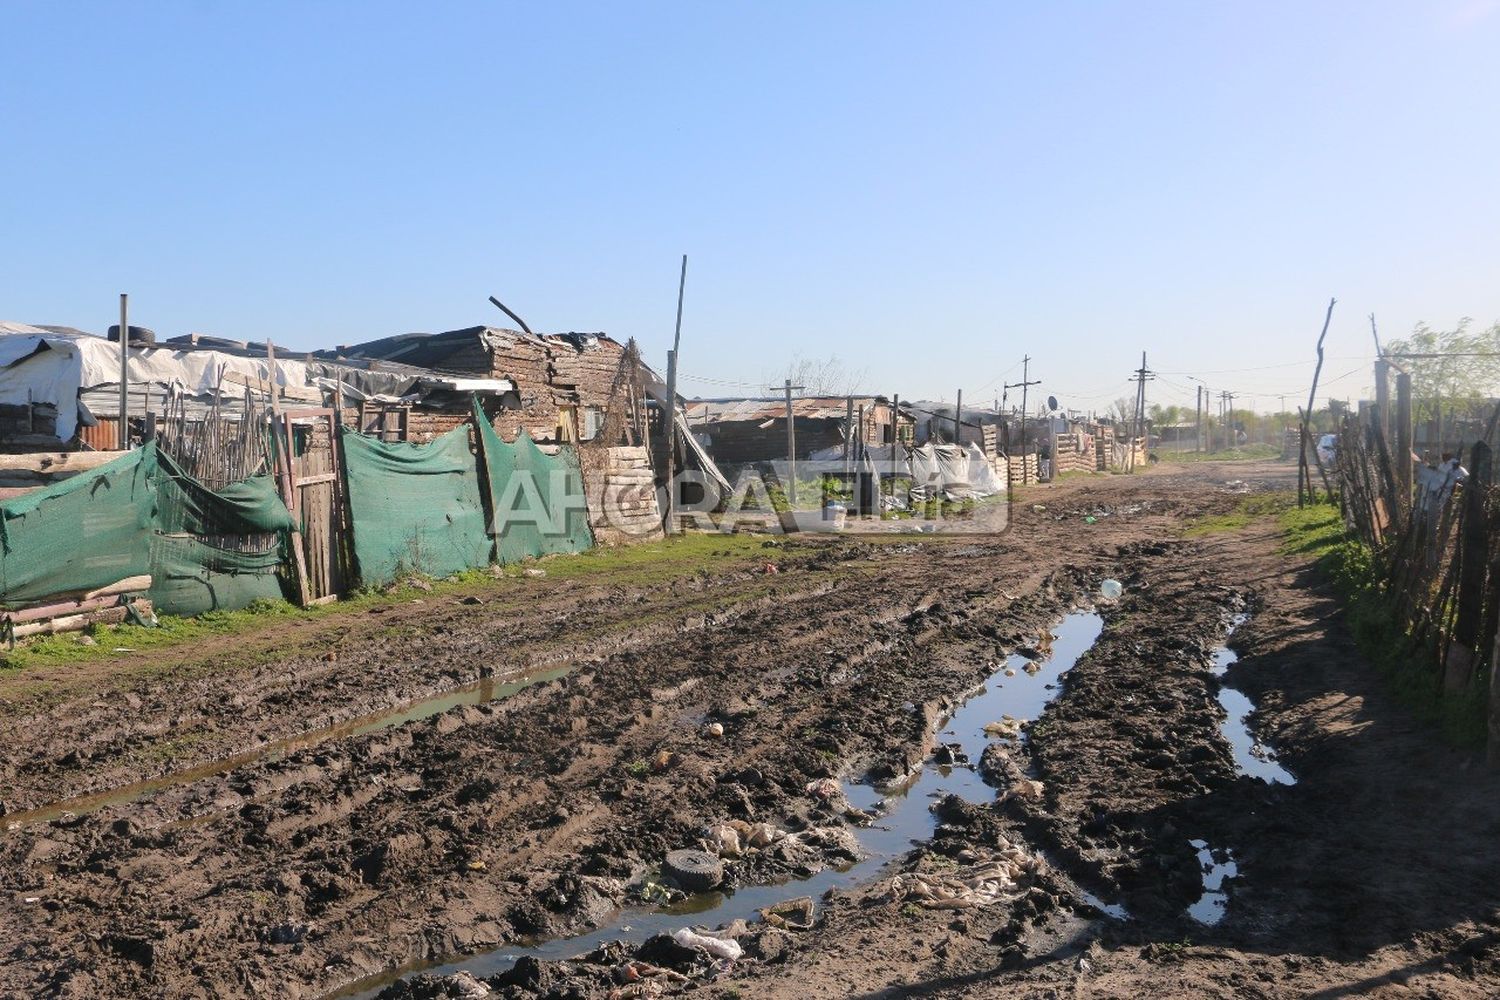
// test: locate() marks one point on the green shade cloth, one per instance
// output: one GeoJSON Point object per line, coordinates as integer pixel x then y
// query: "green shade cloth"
{"type": "Point", "coordinates": [204, 549]}
{"type": "Point", "coordinates": [247, 507]}
{"type": "Point", "coordinates": [416, 508]}
{"type": "Point", "coordinates": [82, 533]}
{"type": "Point", "coordinates": [538, 500]}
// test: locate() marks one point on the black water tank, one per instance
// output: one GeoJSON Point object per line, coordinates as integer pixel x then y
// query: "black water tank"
{"type": "Point", "coordinates": [139, 335]}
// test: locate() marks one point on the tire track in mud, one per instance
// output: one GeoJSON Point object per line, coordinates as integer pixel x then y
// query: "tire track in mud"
{"type": "Point", "coordinates": [313, 816]}
{"type": "Point", "coordinates": [101, 748]}
{"type": "Point", "coordinates": [522, 817]}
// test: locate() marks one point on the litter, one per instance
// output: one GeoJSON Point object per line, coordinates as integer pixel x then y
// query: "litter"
{"type": "Point", "coordinates": [534, 571]}
{"type": "Point", "coordinates": [984, 884]}
{"type": "Point", "coordinates": [823, 788]}
{"type": "Point", "coordinates": [1112, 589]}
{"type": "Point", "coordinates": [794, 914]}
{"type": "Point", "coordinates": [714, 729]}
{"type": "Point", "coordinates": [717, 947]}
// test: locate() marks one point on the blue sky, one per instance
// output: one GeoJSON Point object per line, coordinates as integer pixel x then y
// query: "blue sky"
{"type": "Point", "coordinates": [928, 191]}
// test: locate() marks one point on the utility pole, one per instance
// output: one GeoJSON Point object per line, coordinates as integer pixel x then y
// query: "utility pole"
{"type": "Point", "coordinates": [791, 447]}
{"type": "Point", "coordinates": [958, 416]}
{"type": "Point", "coordinates": [671, 428]}
{"type": "Point", "coordinates": [1142, 376]}
{"type": "Point", "coordinates": [1198, 425]}
{"type": "Point", "coordinates": [1025, 383]}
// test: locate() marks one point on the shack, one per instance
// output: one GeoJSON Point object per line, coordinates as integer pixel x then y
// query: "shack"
{"type": "Point", "coordinates": [749, 430]}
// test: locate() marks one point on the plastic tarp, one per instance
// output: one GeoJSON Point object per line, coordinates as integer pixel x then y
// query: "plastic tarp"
{"type": "Point", "coordinates": [538, 499]}
{"type": "Point", "coordinates": [80, 534]}
{"type": "Point", "coordinates": [415, 508]}
{"type": "Point", "coordinates": [982, 474]}
{"type": "Point", "coordinates": [941, 468]}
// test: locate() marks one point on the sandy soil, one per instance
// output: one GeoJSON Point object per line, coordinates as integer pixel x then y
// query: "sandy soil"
{"type": "Point", "coordinates": [295, 869]}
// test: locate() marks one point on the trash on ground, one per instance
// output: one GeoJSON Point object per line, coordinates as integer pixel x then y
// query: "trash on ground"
{"type": "Point", "coordinates": [794, 914]}
{"type": "Point", "coordinates": [694, 870]}
{"type": "Point", "coordinates": [717, 947]}
{"type": "Point", "coordinates": [982, 884]}
{"type": "Point", "coordinates": [1112, 589]}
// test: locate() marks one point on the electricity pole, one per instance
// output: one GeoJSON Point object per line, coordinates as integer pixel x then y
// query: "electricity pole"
{"type": "Point", "coordinates": [1142, 376]}
{"type": "Point", "coordinates": [1023, 385]}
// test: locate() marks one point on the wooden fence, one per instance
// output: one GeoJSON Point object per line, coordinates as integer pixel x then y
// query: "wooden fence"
{"type": "Point", "coordinates": [1435, 535]}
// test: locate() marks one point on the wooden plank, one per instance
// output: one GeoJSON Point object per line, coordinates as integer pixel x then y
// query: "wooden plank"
{"type": "Point", "coordinates": [58, 461]}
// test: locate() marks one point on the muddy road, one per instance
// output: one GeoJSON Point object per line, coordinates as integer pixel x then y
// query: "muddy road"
{"type": "Point", "coordinates": [470, 772]}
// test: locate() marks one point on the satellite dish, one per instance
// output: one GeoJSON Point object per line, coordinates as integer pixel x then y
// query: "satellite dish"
{"type": "Point", "coordinates": [1052, 402]}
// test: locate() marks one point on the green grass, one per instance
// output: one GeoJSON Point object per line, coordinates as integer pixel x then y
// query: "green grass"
{"type": "Point", "coordinates": [1249, 510]}
{"type": "Point", "coordinates": [1406, 667]}
{"type": "Point", "coordinates": [1250, 452]}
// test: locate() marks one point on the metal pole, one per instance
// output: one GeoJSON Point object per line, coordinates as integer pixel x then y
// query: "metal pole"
{"type": "Point", "coordinates": [124, 436]}
{"type": "Point", "coordinates": [958, 416]}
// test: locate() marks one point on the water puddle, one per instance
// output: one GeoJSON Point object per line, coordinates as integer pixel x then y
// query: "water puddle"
{"type": "Point", "coordinates": [1218, 866]}
{"type": "Point", "coordinates": [1020, 688]}
{"type": "Point", "coordinates": [1251, 756]}
{"type": "Point", "coordinates": [477, 693]}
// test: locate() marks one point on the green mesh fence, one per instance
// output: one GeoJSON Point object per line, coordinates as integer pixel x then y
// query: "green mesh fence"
{"type": "Point", "coordinates": [82, 533]}
{"type": "Point", "coordinates": [414, 507]}
{"type": "Point", "coordinates": [215, 549]}
{"type": "Point", "coordinates": [538, 500]}
{"type": "Point", "coordinates": [204, 549]}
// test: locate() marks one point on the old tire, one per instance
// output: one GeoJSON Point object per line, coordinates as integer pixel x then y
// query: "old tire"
{"type": "Point", "coordinates": [693, 870]}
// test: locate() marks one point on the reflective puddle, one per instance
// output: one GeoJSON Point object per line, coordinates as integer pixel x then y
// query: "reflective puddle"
{"type": "Point", "coordinates": [1020, 688]}
{"type": "Point", "coordinates": [1218, 866]}
{"type": "Point", "coordinates": [1251, 756]}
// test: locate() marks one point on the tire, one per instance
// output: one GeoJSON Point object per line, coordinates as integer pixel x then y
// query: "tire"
{"type": "Point", "coordinates": [693, 870]}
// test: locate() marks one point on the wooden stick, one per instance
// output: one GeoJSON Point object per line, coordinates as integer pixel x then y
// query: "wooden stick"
{"type": "Point", "coordinates": [1311, 398]}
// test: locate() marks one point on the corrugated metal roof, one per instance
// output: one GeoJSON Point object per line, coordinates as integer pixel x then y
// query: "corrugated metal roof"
{"type": "Point", "coordinates": [701, 411]}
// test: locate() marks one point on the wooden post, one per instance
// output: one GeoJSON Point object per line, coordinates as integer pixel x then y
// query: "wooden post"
{"type": "Point", "coordinates": [283, 447]}
{"type": "Point", "coordinates": [1402, 458]}
{"type": "Point", "coordinates": [670, 437]}
{"type": "Point", "coordinates": [1383, 396]}
{"type": "Point", "coordinates": [1312, 393]}
{"type": "Point", "coordinates": [895, 440]}
{"type": "Point", "coordinates": [848, 431]}
{"type": "Point", "coordinates": [123, 438]}
{"type": "Point", "coordinates": [1494, 721]}
{"type": "Point", "coordinates": [1473, 548]}
{"type": "Point", "coordinates": [791, 449]}
{"type": "Point", "coordinates": [958, 417]}
{"type": "Point", "coordinates": [671, 427]}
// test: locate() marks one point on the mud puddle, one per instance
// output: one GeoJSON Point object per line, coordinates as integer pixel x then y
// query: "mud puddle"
{"type": "Point", "coordinates": [1251, 756]}
{"type": "Point", "coordinates": [1218, 866]}
{"type": "Point", "coordinates": [485, 690]}
{"type": "Point", "coordinates": [1020, 688]}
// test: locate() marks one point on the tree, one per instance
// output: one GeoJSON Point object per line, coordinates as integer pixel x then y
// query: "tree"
{"type": "Point", "coordinates": [1451, 379]}
{"type": "Point", "coordinates": [820, 378]}
{"type": "Point", "coordinates": [1122, 411]}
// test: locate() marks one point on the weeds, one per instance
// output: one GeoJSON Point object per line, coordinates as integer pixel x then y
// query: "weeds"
{"type": "Point", "coordinates": [1405, 665]}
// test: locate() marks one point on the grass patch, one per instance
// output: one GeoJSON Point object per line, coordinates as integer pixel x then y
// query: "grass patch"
{"type": "Point", "coordinates": [1405, 665]}
{"type": "Point", "coordinates": [1249, 510]}
{"type": "Point", "coordinates": [1249, 453]}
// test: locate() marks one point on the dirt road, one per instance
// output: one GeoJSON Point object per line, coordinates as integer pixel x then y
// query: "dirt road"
{"type": "Point", "coordinates": [303, 809]}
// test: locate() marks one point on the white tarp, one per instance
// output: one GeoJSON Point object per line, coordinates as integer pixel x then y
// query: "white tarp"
{"type": "Point", "coordinates": [44, 367]}
{"type": "Point", "coordinates": [982, 474]}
